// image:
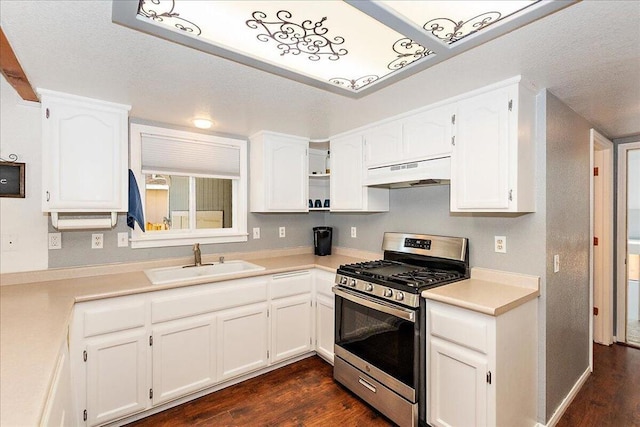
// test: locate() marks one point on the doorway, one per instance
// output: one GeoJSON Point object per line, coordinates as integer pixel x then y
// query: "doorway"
{"type": "Point", "coordinates": [601, 250]}
{"type": "Point", "coordinates": [628, 245]}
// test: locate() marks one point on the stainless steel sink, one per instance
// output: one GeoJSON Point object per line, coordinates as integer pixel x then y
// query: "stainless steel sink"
{"type": "Point", "coordinates": [166, 275]}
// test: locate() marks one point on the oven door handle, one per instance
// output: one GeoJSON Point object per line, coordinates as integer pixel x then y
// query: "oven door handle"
{"type": "Point", "coordinates": [366, 301]}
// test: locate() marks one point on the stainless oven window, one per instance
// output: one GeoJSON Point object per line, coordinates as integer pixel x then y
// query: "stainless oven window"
{"type": "Point", "coordinates": [385, 341]}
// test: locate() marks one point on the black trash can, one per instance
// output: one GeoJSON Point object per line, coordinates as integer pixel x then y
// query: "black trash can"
{"type": "Point", "coordinates": [322, 240]}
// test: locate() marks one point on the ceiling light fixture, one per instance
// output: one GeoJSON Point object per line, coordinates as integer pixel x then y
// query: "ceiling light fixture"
{"type": "Point", "coordinates": [202, 123]}
{"type": "Point", "coordinates": [350, 47]}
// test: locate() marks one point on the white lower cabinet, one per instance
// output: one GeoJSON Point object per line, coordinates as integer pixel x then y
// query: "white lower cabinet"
{"type": "Point", "coordinates": [325, 327]}
{"type": "Point", "coordinates": [290, 327]}
{"type": "Point", "coordinates": [242, 340]}
{"type": "Point", "coordinates": [58, 411]}
{"type": "Point", "coordinates": [184, 357]}
{"type": "Point", "coordinates": [458, 385]}
{"type": "Point", "coordinates": [116, 375]}
{"type": "Point", "coordinates": [481, 369]}
{"type": "Point", "coordinates": [325, 318]}
{"type": "Point", "coordinates": [291, 315]}
{"type": "Point", "coordinates": [133, 353]}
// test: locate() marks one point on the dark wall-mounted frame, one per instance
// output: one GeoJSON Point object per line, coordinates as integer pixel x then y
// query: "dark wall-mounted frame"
{"type": "Point", "coordinates": [12, 179]}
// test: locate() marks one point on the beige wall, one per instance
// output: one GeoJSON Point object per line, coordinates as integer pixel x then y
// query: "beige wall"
{"type": "Point", "coordinates": [22, 220]}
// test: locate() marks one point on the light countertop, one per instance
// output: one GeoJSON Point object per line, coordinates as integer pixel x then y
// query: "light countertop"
{"type": "Point", "coordinates": [34, 318]}
{"type": "Point", "coordinates": [488, 291]}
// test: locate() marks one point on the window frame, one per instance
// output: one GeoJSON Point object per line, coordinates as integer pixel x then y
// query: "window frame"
{"type": "Point", "coordinates": [237, 233]}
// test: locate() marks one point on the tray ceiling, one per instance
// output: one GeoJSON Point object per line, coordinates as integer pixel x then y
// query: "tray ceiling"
{"type": "Point", "coordinates": [351, 48]}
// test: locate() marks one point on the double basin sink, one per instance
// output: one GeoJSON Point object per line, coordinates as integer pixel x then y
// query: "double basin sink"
{"type": "Point", "coordinates": [167, 275]}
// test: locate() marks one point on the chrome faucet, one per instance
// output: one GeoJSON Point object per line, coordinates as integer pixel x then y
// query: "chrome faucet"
{"type": "Point", "coordinates": [197, 255]}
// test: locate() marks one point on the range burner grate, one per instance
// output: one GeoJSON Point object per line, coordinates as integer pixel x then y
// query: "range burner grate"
{"type": "Point", "coordinates": [425, 276]}
{"type": "Point", "coordinates": [395, 272]}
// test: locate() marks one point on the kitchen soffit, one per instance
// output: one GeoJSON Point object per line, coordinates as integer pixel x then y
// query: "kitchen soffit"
{"type": "Point", "coordinates": [347, 47]}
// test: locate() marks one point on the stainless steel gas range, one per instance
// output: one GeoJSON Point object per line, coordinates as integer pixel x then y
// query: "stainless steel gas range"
{"type": "Point", "coordinates": [380, 329]}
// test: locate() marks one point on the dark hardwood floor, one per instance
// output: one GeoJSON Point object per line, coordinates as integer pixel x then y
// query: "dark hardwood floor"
{"type": "Point", "coordinates": [304, 394]}
{"type": "Point", "coordinates": [611, 394]}
{"type": "Point", "coordinates": [300, 394]}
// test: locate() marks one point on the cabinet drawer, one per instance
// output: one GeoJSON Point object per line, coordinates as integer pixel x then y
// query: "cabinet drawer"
{"type": "Point", "coordinates": [288, 284]}
{"type": "Point", "coordinates": [109, 317]}
{"type": "Point", "coordinates": [461, 328]}
{"type": "Point", "coordinates": [179, 303]}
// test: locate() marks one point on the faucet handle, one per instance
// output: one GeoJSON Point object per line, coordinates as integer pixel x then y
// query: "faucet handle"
{"type": "Point", "coordinates": [221, 260]}
{"type": "Point", "coordinates": [196, 247]}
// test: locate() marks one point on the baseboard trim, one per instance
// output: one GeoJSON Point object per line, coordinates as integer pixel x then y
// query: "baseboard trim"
{"type": "Point", "coordinates": [560, 410]}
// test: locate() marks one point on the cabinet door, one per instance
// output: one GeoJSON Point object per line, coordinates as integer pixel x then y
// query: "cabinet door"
{"type": "Point", "coordinates": [427, 135]}
{"type": "Point", "coordinates": [183, 357]}
{"type": "Point", "coordinates": [347, 174]}
{"type": "Point", "coordinates": [457, 385]}
{"type": "Point", "coordinates": [242, 340]}
{"type": "Point", "coordinates": [290, 327]}
{"type": "Point", "coordinates": [117, 383]}
{"type": "Point", "coordinates": [383, 144]}
{"type": "Point", "coordinates": [480, 157]}
{"type": "Point", "coordinates": [84, 157]}
{"type": "Point", "coordinates": [287, 174]}
{"type": "Point", "coordinates": [59, 409]}
{"type": "Point", "coordinates": [325, 320]}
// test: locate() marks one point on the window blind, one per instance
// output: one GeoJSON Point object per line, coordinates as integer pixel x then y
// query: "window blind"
{"type": "Point", "coordinates": [189, 157]}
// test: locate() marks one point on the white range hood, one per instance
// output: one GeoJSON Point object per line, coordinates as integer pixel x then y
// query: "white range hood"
{"type": "Point", "coordinates": [410, 174]}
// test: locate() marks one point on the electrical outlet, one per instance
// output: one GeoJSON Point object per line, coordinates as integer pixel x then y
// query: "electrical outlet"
{"type": "Point", "coordinates": [500, 244]}
{"type": "Point", "coordinates": [123, 239]}
{"type": "Point", "coordinates": [282, 232]}
{"type": "Point", "coordinates": [55, 240]}
{"type": "Point", "coordinates": [556, 263]}
{"type": "Point", "coordinates": [9, 242]}
{"type": "Point", "coordinates": [256, 233]}
{"type": "Point", "coordinates": [354, 232]}
{"type": "Point", "coordinates": [97, 241]}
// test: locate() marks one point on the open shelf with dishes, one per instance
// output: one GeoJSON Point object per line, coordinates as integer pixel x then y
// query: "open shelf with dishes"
{"type": "Point", "coordinates": [319, 176]}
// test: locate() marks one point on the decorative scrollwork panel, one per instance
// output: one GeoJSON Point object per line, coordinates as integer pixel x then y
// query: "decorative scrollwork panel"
{"type": "Point", "coordinates": [164, 11]}
{"type": "Point", "coordinates": [308, 37]}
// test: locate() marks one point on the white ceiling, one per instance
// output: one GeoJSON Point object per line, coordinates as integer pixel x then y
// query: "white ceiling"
{"type": "Point", "coordinates": [588, 55]}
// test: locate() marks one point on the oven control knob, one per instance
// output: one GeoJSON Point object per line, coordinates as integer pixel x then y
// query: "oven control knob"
{"type": "Point", "coordinates": [388, 293]}
{"type": "Point", "coordinates": [353, 283]}
{"type": "Point", "coordinates": [343, 280]}
{"type": "Point", "coordinates": [368, 287]}
{"type": "Point", "coordinates": [399, 296]}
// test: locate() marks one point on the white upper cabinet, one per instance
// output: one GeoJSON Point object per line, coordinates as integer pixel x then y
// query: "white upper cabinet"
{"type": "Point", "coordinates": [85, 154]}
{"type": "Point", "coordinates": [348, 192]}
{"type": "Point", "coordinates": [419, 136]}
{"type": "Point", "coordinates": [383, 144]}
{"type": "Point", "coordinates": [493, 159]}
{"type": "Point", "coordinates": [278, 173]}
{"type": "Point", "coordinates": [427, 134]}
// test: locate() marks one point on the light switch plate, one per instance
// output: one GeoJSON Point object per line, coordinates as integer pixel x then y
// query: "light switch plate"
{"type": "Point", "coordinates": [354, 232]}
{"type": "Point", "coordinates": [256, 233]}
{"type": "Point", "coordinates": [556, 263]}
{"type": "Point", "coordinates": [123, 239]}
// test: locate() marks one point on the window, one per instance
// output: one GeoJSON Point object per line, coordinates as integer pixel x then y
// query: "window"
{"type": "Point", "coordinates": [193, 187]}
